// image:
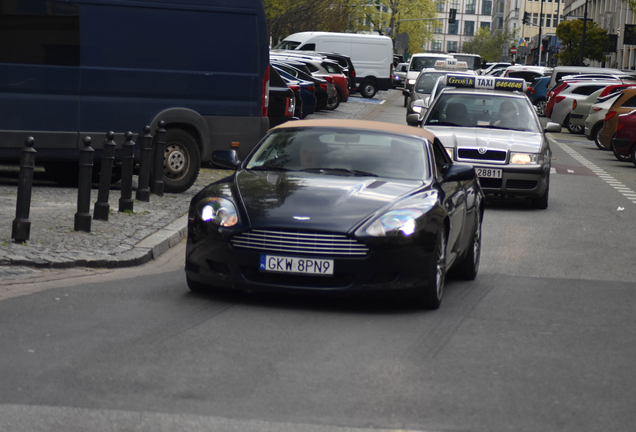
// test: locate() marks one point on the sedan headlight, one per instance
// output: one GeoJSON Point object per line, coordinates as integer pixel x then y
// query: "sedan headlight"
{"type": "Point", "coordinates": [417, 109]}
{"type": "Point", "coordinates": [526, 158]}
{"type": "Point", "coordinates": [219, 211]}
{"type": "Point", "coordinates": [395, 221]}
{"type": "Point", "coordinates": [411, 81]}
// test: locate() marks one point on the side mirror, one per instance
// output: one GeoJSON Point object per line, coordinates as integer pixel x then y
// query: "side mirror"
{"type": "Point", "coordinates": [552, 127]}
{"type": "Point", "coordinates": [459, 172]}
{"type": "Point", "coordinates": [413, 119]}
{"type": "Point", "coordinates": [226, 159]}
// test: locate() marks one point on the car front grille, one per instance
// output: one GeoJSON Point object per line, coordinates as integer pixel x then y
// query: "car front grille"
{"type": "Point", "coordinates": [489, 155]}
{"type": "Point", "coordinates": [521, 184]}
{"type": "Point", "coordinates": [299, 242]}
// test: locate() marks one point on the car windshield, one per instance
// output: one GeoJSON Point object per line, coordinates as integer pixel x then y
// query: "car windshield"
{"type": "Point", "coordinates": [333, 151]}
{"type": "Point", "coordinates": [484, 111]}
{"type": "Point", "coordinates": [419, 63]}
{"type": "Point", "coordinates": [426, 81]}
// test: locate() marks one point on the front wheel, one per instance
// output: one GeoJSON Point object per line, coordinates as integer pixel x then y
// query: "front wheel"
{"type": "Point", "coordinates": [182, 160]}
{"type": "Point", "coordinates": [368, 89]}
{"type": "Point", "coordinates": [572, 128]}
{"type": "Point", "coordinates": [620, 157]}
{"type": "Point", "coordinates": [431, 298]}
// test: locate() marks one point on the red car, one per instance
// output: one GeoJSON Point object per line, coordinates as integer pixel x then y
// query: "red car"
{"type": "Point", "coordinates": [624, 142]}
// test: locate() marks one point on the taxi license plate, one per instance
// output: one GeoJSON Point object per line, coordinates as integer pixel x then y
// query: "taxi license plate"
{"type": "Point", "coordinates": [489, 172]}
{"type": "Point", "coordinates": [311, 266]}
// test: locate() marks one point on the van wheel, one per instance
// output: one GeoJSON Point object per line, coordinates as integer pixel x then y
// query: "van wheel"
{"type": "Point", "coordinates": [368, 89]}
{"type": "Point", "coordinates": [336, 103]}
{"type": "Point", "coordinates": [182, 160]}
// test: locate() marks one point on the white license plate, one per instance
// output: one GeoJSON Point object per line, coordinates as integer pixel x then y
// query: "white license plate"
{"type": "Point", "coordinates": [279, 264]}
{"type": "Point", "coordinates": [489, 172]}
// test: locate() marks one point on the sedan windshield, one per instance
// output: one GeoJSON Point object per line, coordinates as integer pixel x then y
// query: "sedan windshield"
{"type": "Point", "coordinates": [484, 111]}
{"type": "Point", "coordinates": [346, 152]}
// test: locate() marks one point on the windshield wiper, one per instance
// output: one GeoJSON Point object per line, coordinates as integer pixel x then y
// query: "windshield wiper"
{"type": "Point", "coordinates": [359, 173]}
{"type": "Point", "coordinates": [268, 168]}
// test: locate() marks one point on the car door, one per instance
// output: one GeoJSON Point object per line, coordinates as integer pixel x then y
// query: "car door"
{"type": "Point", "coordinates": [453, 200]}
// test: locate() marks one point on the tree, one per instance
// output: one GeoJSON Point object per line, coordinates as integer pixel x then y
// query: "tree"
{"type": "Point", "coordinates": [571, 34]}
{"type": "Point", "coordinates": [489, 45]}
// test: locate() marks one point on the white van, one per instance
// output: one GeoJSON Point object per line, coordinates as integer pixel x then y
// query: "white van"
{"type": "Point", "coordinates": [372, 55]}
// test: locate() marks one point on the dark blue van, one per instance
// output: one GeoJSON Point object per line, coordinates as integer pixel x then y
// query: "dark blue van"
{"type": "Point", "coordinates": [72, 69]}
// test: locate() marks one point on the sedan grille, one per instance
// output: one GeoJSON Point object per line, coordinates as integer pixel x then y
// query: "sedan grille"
{"type": "Point", "coordinates": [299, 242]}
{"type": "Point", "coordinates": [489, 155]}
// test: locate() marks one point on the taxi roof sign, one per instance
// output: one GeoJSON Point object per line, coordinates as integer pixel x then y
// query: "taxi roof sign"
{"type": "Point", "coordinates": [488, 83]}
{"type": "Point", "coordinates": [450, 64]}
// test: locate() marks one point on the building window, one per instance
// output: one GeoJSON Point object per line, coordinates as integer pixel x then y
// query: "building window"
{"type": "Point", "coordinates": [455, 4]}
{"type": "Point", "coordinates": [485, 25]}
{"type": "Point", "coordinates": [470, 6]}
{"type": "Point", "coordinates": [39, 32]}
{"type": "Point", "coordinates": [439, 4]}
{"type": "Point", "coordinates": [439, 28]}
{"type": "Point", "coordinates": [436, 46]}
{"type": "Point", "coordinates": [451, 46]}
{"type": "Point", "coordinates": [486, 7]}
{"type": "Point", "coordinates": [469, 28]}
{"type": "Point", "coordinates": [452, 28]}
{"type": "Point", "coordinates": [548, 22]}
{"type": "Point", "coordinates": [535, 18]}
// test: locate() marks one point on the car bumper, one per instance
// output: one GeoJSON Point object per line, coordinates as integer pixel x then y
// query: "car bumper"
{"type": "Point", "coordinates": [529, 182]}
{"type": "Point", "coordinates": [217, 263]}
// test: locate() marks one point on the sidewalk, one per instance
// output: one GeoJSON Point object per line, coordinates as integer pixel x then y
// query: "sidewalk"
{"type": "Point", "coordinates": [124, 240]}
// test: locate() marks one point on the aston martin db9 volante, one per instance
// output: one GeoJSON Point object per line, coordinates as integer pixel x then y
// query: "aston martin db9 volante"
{"type": "Point", "coordinates": [342, 206]}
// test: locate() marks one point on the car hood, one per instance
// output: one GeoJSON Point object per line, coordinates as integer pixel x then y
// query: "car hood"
{"type": "Point", "coordinates": [490, 139]}
{"type": "Point", "coordinates": [301, 200]}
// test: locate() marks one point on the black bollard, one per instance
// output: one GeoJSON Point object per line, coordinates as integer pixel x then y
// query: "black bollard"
{"type": "Point", "coordinates": [143, 191]}
{"type": "Point", "coordinates": [158, 156]}
{"type": "Point", "coordinates": [83, 216]}
{"type": "Point", "coordinates": [21, 224]}
{"type": "Point", "coordinates": [102, 207]}
{"type": "Point", "coordinates": [126, 202]}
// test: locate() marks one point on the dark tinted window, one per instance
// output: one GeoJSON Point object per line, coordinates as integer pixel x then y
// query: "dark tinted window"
{"type": "Point", "coordinates": [631, 102]}
{"type": "Point", "coordinates": [308, 47]}
{"type": "Point", "coordinates": [39, 32]}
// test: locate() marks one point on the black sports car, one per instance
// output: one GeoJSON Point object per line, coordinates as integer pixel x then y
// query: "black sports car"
{"type": "Point", "coordinates": [337, 206]}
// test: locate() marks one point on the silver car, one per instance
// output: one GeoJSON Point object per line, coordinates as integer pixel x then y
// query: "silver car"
{"type": "Point", "coordinates": [498, 132]}
{"type": "Point", "coordinates": [581, 110]}
{"type": "Point", "coordinates": [596, 117]}
{"type": "Point", "coordinates": [576, 91]}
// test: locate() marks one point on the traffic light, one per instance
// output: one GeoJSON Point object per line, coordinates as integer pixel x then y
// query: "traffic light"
{"type": "Point", "coordinates": [452, 16]}
{"type": "Point", "coordinates": [526, 18]}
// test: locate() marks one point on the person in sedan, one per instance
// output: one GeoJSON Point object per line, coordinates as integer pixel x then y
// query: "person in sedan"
{"type": "Point", "coordinates": [507, 116]}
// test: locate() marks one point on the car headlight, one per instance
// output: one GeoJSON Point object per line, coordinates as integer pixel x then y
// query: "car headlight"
{"type": "Point", "coordinates": [417, 109]}
{"type": "Point", "coordinates": [219, 211]}
{"type": "Point", "coordinates": [411, 81]}
{"type": "Point", "coordinates": [394, 222]}
{"type": "Point", "coordinates": [526, 158]}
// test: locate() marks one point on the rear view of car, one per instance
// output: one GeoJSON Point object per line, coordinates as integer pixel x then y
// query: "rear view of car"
{"type": "Point", "coordinates": [624, 142]}
{"type": "Point", "coordinates": [625, 103]}
{"type": "Point", "coordinates": [567, 99]}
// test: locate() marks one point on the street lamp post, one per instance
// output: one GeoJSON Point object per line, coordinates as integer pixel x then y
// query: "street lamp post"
{"type": "Point", "coordinates": [583, 38]}
{"type": "Point", "coordinates": [540, 28]}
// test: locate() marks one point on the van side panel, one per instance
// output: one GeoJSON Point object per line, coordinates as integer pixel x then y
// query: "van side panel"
{"type": "Point", "coordinates": [170, 56]}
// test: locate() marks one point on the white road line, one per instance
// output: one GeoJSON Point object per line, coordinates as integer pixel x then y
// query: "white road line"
{"type": "Point", "coordinates": [602, 174]}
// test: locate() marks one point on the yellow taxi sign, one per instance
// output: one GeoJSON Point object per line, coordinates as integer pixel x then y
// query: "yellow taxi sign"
{"type": "Point", "coordinates": [450, 64]}
{"type": "Point", "coordinates": [489, 83]}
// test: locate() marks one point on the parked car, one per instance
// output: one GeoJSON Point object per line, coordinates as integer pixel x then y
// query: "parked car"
{"type": "Point", "coordinates": [564, 101]}
{"type": "Point", "coordinates": [338, 206]}
{"type": "Point", "coordinates": [282, 100]}
{"type": "Point", "coordinates": [528, 73]}
{"type": "Point", "coordinates": [624, 142]}
{"type": "Point", "coordinates": [307, 91]}
{"type": "Point", "coordinates": [581, 107]}
{"type": "Point", "coordinates": [625, 103]}
{"type": "Point", "coordinates": [323, 90]}
{"type": "Point", "coordinates": [596, 117]}
{"type": "Point", "coordinates": [561, 71]}
{"type": "Point", "coordinates": [538, 92]}
{"type": "Point", "coordinates": [372, 55]}
{"type": "Point", "coordinates": [494, 65]}
{"type": "Point", "coordinates": [347, 68]}
{"type": "Point", "coordinates": [399, 75]}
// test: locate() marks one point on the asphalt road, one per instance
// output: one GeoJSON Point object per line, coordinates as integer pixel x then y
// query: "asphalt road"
{"type": "Point", "coordinates": [542, 340]}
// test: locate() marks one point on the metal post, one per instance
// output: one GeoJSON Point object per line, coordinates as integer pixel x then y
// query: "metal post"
{"type": "Point", "coordinates": [143, 191]}
{"type": "Point", "coordinates": [583, 38]}
{"type": "Point", "coordinates": [540, 27]}
{"type": "Point", "coordinates": [160, 148]}
{"type": "Point", "coordinates": [102, 207]}
{"type": "Point", "coordinates": [83, 216]}
{"type": "Point", "coordinates": [21, 224]}
{"type": "Point", "coordinates": [126, 202]}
